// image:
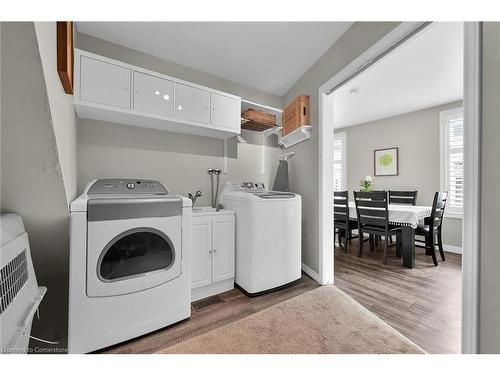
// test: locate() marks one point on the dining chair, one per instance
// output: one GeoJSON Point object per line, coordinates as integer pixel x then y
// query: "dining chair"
{"type": "Point", "coordinates": [373, 217]}
{"type": "Point", "coordinates": [433, 226]}
{"type": "Point", "coordinates": [342, 224]}
{"type": "Point", "coordinates": [403, 197]}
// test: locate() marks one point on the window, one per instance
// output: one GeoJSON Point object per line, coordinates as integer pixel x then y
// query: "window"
{"type": "Point", "coordinates": [452, 159]}
{"type": "Point", "coordinates": [339, 162]}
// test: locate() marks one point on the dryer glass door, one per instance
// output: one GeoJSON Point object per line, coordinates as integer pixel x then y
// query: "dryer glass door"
{"type": "Point", "coordinates": [135, 252]}
{"type": "Point", "coordinates": [127, 256]}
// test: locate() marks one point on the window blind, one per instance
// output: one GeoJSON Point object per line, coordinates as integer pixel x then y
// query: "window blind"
{"type": "Point", "coordinates": [456, 162]}
{"type": "Point", "coordinates": [338, 148]}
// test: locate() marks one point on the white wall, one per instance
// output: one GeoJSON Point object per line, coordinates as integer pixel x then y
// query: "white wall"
{"type": "Point", "coordinates": [304, 170]}
{"type": "Point", "coordinates": [416, 134]}
{"type": "Point", "coordinates": [61, 106]}
{"type": "Point", "coordinates": [31, 179]}
{"type": "Point", "coordinates": [489, 297]}
{"type": "Point", "coordinates": [107, 150]}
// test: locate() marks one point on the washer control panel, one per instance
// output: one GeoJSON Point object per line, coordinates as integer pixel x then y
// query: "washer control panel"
{"type": "Point", "coordinates": [127, 186]}
{"type": "Point", "coordinates": [246, 186]}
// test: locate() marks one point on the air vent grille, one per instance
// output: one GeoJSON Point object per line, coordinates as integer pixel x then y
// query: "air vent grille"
{"type": "Point", "coordinates": [13, 276]}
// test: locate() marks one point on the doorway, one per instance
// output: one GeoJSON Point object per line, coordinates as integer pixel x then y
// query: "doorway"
{"type": "Point", "coordinates": [397, 37]}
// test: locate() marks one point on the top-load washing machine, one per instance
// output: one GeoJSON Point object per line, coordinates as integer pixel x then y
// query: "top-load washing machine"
{"type": "Point", "coordinates": [130, 262]}
{"type": "Point", "coordinates": [268, 236]}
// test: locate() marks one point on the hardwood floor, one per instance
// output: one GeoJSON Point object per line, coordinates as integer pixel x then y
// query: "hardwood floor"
{"type": "Point", "coordinates": [228, 307]}
{"type": "Point", "coordinates": [423, 303]}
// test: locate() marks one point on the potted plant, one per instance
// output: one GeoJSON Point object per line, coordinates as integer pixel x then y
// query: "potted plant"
{"type": "Point", "coordinates": [366, 184]}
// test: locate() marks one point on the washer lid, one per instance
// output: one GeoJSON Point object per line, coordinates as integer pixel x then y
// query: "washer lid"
{"type": "Point", "coordinates": [275, 195]}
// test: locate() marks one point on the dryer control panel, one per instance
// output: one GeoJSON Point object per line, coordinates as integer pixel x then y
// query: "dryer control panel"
{"type": "Point", "coordinates": [127, 186]}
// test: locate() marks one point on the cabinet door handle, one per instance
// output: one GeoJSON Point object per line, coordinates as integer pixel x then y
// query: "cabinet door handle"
{"type": "Point", "coordinates": [210, 251]}
{"type": "Point", "coordinates": [214, 250]}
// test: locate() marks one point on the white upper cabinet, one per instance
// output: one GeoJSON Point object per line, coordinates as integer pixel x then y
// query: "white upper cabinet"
{"type": "Point", "coordinates": [104, 83]}
{"type": "Point", "coordinates": [153, 95]}
{"type": "Point", "coordinates": [110, 90]}
{"type": "Point", "coordinates": [226, 111]}
{"type": "Point", "coordinates": [192, 103]}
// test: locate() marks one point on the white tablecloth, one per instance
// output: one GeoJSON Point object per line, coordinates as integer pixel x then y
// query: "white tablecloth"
{"type": "Point", "coordinates": [400, 214]}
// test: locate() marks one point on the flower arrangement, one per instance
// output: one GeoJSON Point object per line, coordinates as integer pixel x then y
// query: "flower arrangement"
{"type": "Point", "coordinates": [366, 184]}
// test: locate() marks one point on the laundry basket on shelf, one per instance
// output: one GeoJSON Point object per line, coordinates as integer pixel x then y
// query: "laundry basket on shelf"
{"type": "Point", "coordinates": [20, 294]}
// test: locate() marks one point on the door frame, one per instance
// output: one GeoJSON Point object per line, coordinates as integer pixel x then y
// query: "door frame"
{"type": "Point", "coordinates": [472, 152]}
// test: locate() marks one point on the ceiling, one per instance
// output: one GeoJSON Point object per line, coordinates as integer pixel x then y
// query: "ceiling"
{"type": "Point", "coordinates": [425, 71]}
{"type": "Point", "coordinates": [268, 56]}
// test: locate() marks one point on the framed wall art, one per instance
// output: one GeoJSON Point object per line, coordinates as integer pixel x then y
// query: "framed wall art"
{"type": "Point", "coordinates": [386, 162]}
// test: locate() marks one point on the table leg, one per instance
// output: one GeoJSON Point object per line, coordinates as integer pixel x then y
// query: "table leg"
{"type": "Point", "coordinates": [405, 246]}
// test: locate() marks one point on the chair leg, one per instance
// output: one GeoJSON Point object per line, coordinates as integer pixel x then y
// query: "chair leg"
{"type": "Point", "coordinates": [345, 243]}
{"type": "Point", "coordinates": [360, 237]}
{"type": "Point", "coordinates": [390, 239]}
{"type": "Point", "coordinates": [440, 244]}
{"type": "Point", "coordinates": [385, 252]}
{"type": "Point", "coordinates": [432, 249]}
{"type": "Point", "coordinates": [376, 240]}
{"type": "Point", "coordinates": [428, 246]}
{"type": "Point", "coordinates": [372, 246]}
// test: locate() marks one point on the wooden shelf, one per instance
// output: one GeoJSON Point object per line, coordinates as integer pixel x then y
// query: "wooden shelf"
{"type": "Point", "coordinates": [255, 125]}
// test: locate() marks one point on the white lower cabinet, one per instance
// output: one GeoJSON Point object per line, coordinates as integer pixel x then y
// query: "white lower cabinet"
{"type": "Point", "coordinates": [212, 265]}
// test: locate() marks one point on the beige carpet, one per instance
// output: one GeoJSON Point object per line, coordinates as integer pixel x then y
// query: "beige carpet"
{"type": "Point", "coordinates": [324, 320]}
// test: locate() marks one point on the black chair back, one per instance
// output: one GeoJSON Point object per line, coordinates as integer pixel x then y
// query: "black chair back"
{"type": "Point", "coordinates": [437, 213]}
{"type": "Point", "coordinates": [372, 210]}
{"type": "Point", "coordinates": [403, 197]}
{"type": "Point", "coordinates": [379, 191]}
{"type": "Point", "coordinates": [341, 207]}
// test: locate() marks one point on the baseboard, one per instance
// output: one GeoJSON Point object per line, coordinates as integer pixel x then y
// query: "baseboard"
{"type": "Point", "coordinates": [211, 289]}
{"type": "Point", "coordinates": [452, 249]}
{"type": "Point", "coordinates": [314, 275]}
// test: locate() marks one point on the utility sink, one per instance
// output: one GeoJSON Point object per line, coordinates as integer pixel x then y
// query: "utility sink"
{"type": "Point", "coordinates": [202, 211]}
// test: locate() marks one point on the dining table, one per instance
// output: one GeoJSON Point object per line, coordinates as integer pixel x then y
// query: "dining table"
{"type": "Point", "coordinates": [406, 217]}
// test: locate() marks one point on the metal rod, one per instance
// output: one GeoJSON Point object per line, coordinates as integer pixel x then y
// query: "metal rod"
{"type": "Point", "coordinates": [287, 155]}
{"type": "Point", "coordinates": [372, 61]}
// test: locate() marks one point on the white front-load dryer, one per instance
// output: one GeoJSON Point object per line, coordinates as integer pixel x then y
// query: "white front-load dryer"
{"type": "Point", "coordinates": [268, 236]}
{"type": "Point", "coordinates": [130, 257]}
